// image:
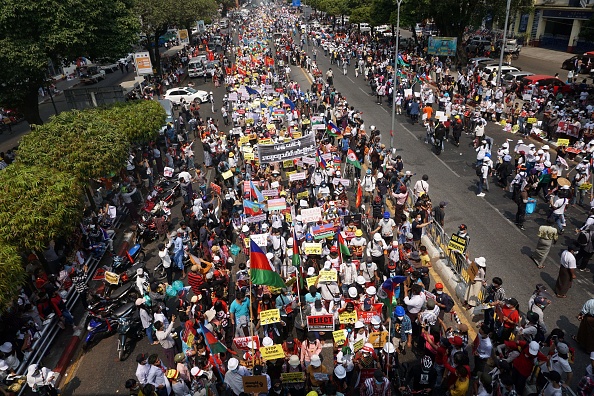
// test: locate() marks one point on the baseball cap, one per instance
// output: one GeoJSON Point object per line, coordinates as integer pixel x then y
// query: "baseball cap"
{"type": "Point", "coordinates": [533, 348]}
{"type": "Point", "coordinates": [562, 348]}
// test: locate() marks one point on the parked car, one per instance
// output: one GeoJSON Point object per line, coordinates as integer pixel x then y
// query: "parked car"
{"type": "Point", "coordinates": [175, 95]}
{"type": "Point", "coordinates": [196, 68]}
{"type": "Point", "coordinates": [91, 73]}
{"type": "Point", "coordinates": [511, 76]}
{"type": "Point", "coordinates": [364, 27]}
{"type": "Point", "coordinates": [586, 66]}
{"type": "Point", "coordinates": [544, 80]}
{"type": "Point", "coordinates": [490, 69]}
{"type": "Point", "coordinates": [512, 46]}
{"type": "Point", "coordinates": [109, 67]}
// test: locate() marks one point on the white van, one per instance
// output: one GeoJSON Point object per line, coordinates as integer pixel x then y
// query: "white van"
{"type": "Point", "coordinates": [488, 70]}
{"type": "Point", "coordinates": [196, 68]}
{"type": "Point", "coordinates": [364, 28]}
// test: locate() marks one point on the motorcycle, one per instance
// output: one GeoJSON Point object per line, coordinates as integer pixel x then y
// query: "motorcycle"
{"type": "Point", "coordinates": [129, 330]}
{"type": "Point", "coordinates": [122, 290]}
{"type": "Point", "coordinates": [134, 255]}
{"type": "Point", "coordinates": [146, 233]}
{"type": "Point", "coordinates": [99, 328]}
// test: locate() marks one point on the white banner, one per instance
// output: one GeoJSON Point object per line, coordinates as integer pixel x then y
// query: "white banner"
{"type": "Point", "coordinates": [297, 176]}
{"type": "Point", "coordinates": [142, 60]}
{"type": "Point", "coordinates": [312, 215]}
{"type": "Point", "coordinates": [260, 239]}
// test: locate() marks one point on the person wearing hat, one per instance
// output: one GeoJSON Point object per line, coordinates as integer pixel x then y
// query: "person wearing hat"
{"type": "Point", "coordinates": [558, 361]}
{"type": "Point", "coordinates": [310, 347]}
{"type": "Point", "coordinates": [386, 228]}
{"type": "Point", "coordinates": [566, 271]}
{"type": "Point", "coordinates": [293, 365]}
{"type": "Point", "coordinates": [9, 356]}
{"type": "Point", "coordinates": [471, 298]}
{"type": "Point", "coordinates": [401, 333]}
{"type": "Point", "coordinates": [178, 386]}
{"type": "Point", "coordinates": [557, 204]}
{"type": "Point", "coordinates": [316, 374]}
{"type": "Point", "coordinates": [357, 244]}
{"type": "Point", "coordinates": [483, 172]}
{"type": "Point", "coordinates": [234, 376]}
{"type": "Point", "coordinates": [443, 300]}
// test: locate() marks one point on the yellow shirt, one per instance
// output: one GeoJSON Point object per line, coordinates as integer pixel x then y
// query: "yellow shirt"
{"type": "Point", "coordinates": [460, 388]}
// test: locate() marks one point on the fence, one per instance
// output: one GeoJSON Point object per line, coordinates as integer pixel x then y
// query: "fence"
{"type": "Point", "coordinates": [50, 330]}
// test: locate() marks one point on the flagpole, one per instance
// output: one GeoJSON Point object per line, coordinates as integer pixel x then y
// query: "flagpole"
{"type": "Point", "coordinates": [296, 251]}
{"type": "Point", "coordinates": [251, 311]}
{"type": "Point", "coordinates": [389, 330]}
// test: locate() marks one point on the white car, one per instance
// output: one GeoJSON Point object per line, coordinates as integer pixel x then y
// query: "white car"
{"type": "Point", "coordinates": [175, 95]}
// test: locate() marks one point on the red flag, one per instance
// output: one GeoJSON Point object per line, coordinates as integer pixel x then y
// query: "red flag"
{"type": "Point", "coordinates": [359, 195]}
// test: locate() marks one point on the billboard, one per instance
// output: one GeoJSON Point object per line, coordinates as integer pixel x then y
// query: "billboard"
{"type": "Point", "coordinates": [143, 64]}
{"type": "Point", "coordinates": [442, 46]}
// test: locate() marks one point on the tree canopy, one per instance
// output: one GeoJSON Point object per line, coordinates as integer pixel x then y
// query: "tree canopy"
{"type": "Point", "coordinates": [34, 32]}
{"type": "Point", "coordinates": [12, 274]}
{"type": "Point", "coordinates": [38, 204]}
{"type": "Point", "coordinates": [91, 143]}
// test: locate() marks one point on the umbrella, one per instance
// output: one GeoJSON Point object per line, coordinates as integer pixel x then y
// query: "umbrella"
{"type": "Point", "coordinates": [563, 182]}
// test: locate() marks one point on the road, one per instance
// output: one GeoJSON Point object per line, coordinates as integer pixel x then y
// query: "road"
{"type": "Point", "coordinates": [490, 220]}
{"type": "Point", "coordinates": [451, 178]}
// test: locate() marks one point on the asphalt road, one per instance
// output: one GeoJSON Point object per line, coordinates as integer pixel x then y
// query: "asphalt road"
{"type": "Point", "coordinates": [490, 220]}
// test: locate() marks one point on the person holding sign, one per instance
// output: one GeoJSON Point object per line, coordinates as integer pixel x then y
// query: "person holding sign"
{"type": "Point", "coordinates": [317, 375]}
{"type": "Point", "coordinates": [293, 366]}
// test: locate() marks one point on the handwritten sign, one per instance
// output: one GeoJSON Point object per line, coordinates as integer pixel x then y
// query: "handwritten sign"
{"type": "Point", "coordinates": [255, 384]}
{"type": "Point", "coordinates": [312, 248]}
{"type": "Point", "coordinates": [289, 378]}
{"type": "Point", "coordinates": [563, 142]}
{"type": "Point", "coordinates": [288, 164]}
{"type": "Point", "coordinates": [260, 239]}
{"type": "Point", "coordinates": [358, 345]}
{"type": "Point", "coordinates": [320, 323]}
{"type": "Point", "coordinates": [532, 120]}
{"type": "Point", "coordinates": [242, 342]}
{"type": "Point", "coordinates": [328, 276]}
{"type": "Point", "coordinates": [348, 317]}
{"type": "Point", "coordinates": [457, 243]}
{"type": "Point", "coordinates": [243, 140]}
{"type": "Point", "coordinates": [321, 377]}
{"type": "Point", "coordinates": [227, 175]}
{"type": "Point", "coordinates": [344, 182]}
{"type": "Point", "coordinates": [248, 156]}
{"type": "Point", "coordinates": [113, 279]}
{"type": "Point", "coordinates": [378, 339]}
{"type": "Point", "coordinates": [255, 219]}
{"type": "Point", "coordinates": [308, 160]}
{"type": "Point", "coordinates": [339, 337]}
{"type": "Point", "coordinates": [297, 176]}
{"type": "Point", "coordinates": [270, 193]}
{"type": "Point", "coordinates": [312, 215]}
{"type": "Point", "coordinates": [272, 352]}
{"type": "Point", "coordinates": [311, 281]}
{"type": "Point", "coordinates": [270, 316]}
{"type": "Point", "coordinates": [303, 194]}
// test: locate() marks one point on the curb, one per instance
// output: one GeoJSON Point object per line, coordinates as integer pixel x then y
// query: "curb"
{"type": "Point", "coordinates": [68, 352]}
{"type": "Point", "coordinates": [442, 273]}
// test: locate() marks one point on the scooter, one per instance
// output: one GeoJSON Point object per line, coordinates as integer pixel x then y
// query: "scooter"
{"type": "Point", "coordinates": [133, 255]}
{"type": "Point", "coordinates": [129, 330]}
{"type": "Point", "coordinates": [99, 328]}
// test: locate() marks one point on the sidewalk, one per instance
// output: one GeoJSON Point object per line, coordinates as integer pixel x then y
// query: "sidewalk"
{"type": "Point", "coordinates": [61, 86]}
{"type": "Point", "coordinates": [544, 54]}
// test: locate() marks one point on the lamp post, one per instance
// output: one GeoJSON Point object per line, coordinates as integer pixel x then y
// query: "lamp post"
{"type": "Point", "coordinates": [398, 2]}
{"type": "Point", "coordinates": [502, 48]}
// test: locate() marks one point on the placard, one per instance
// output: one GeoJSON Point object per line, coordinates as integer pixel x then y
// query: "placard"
{"type": "Point", "coordinates": [216, 188]}
{"type": "Point", "coordinates": [532, 120]}
{"type": "Point", "coordinates": [288, 164]}
{"type": "Point", "coordinates": [255, 384]}
{"type": "Point", "coordinates": [297, 176]}
{"type": "Point", "coordinates": [378, 339]}
{"type": "Point", "coordinates": [308, 160]}
{"type": "Point", "coordinates": [277, 204]}
{"type": "Point", "coordinates": [260, 239]}
{"type": "Point", "coordinates": [347, 317]}
{"type": "Point", "coordinates": [365, 316]}
{"type": "Point", "coordinates": [290, 150]}
{"type": "Point", "coordinates": [312, 248]}
{"type": "Point", "coordinates": [320, 323]}
{"type": "Point", "coordinates": [270, 316]}
{"type": "Point", "coordinates": [358, 345]}
{"type": "Point", "coordinates": [562, 142]}
{"type": "Point", "coordinates": [344, 182]}
{"type": "Point", "coordinates": [243, 140]}
{"type": "Point", "coordinates": [142, 60]}
{"type": "Point", "coordinates": [255, 219]}
{"type": "Point", "coordinates": [270, 193]}
{"type": "Point", "coordinates": [248, 156]}
{"type": "Point", "coordinates": [311, 281]}
{"type": "Point", "coordinates": [328, 276]}
{"type": "Point", "coordinates": [242, 342]}
{"type": "Point", "coordinates": [112, 278]}
{"type": "Point", "coordinates": [457, 243]}
{"type": "Point", "coordinates": [339, 337]}
{"type": "Point", "coordinates": [321, 377]}
{"type": "Point", "coordinates": [472, 270]}
{"type": "Point", "coordinates": [312, 215]}
{"type": "Point", "coordinates": [303, 194]}
{"type": "Point", "coordinates": [289, 378]}
{"type": "Point", "coordinates": [227, 175]}
{"type": "Point", "coordinates": [272, 352]}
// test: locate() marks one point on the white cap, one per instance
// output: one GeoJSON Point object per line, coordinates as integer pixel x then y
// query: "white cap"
{"type": "Point", "coordinates": [360, 280]}
{"type": "Point", "coordinates": [3, 365]}
{"type": "Point", "coordinates": [340, 371]}
{"type": "Point", "coordinates": [371, 290]}
{"type": "Point", "coordinates": [377, 237]}
{"type": "Point", "coordinates": [311, 271]}
{"type": "Point", "coordinates": [327, 265]}
{"type": "Point", "coordinates": [375, 320]}
{"type": "Point", "coordinates": [359, 324]}
{"type": "Point", "coordinates": [380, 175]}
{"type": "Point", "coordinates": [389, 347]}
{"type": "Point", "coordinates": [546, 147]}
{"type": "Point", "coordinates": [196, 372]}
{"type": "Point", "coordinates": [352, 292]}
{"type": "Point", "coordinates": [267, 341]}
{"type": "Point", "coordinates": [232, 364]}
{"type": "Point", "coordinates": [481, 261]}
{"type": "Point", "coordinates": [139, 272]}
{"type": "Point", "coordinates": [298, 218]}
{"type": "Point", "coordinates": [315, 361]}
{"type": "Point", "coordinates": [533, 348]}
{"type": "Point", "coordinates": [290, 241]}
{"type": "Point", "coordinates": [547, 163]}
{"type": "Point", "coordinates": [245, 228]}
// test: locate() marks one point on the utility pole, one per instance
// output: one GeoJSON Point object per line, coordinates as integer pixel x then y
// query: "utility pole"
{"type": "Point", "coordinates": [398, 2]}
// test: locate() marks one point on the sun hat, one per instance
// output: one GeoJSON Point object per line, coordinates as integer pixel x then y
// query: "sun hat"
{"type": "Point", "coordinates": [294, 361]}
{"type": "Point", "coordinates": [340, 371]}
{"type": "Point", "coordinates": [232, 364]}
{"type": "Point", "coordinates": [315, 361]}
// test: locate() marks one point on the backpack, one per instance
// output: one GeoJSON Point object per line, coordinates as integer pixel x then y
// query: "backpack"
{"type": "Point", "coordinates": [583, 238]}
{"type": "Point", "coordinates": [479, 171]}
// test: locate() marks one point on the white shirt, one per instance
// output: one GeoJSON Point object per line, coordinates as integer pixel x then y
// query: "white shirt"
{"type": "Point", "coordinates": [415, 303]}
{"type": "Point", "coordinates": [348, 273]}
{"type": "Point", "coordinates": [142, 372]}
{"type": "Point", "coordinates": [387, 227]}
{"type": "Point", "coordinates": [559, 205]}
{"type": "Point", "coordinates": [568, 260]}
{"type": "Point", "coordinates": [421, 186]}
{"type": "Point", "coordinates": [484, 348]}
{"type": "Point", "coordinates": [165, 258]}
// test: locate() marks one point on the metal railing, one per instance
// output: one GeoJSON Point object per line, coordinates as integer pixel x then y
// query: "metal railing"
{"type": "Point", "coordinates": [51, 329]}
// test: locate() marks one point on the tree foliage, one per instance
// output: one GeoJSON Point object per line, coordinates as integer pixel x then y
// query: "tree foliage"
{"type": "Point", "coordinates": [157, 16]}
{"type": "Point", "coordinates": [12, 274]}
{"type": "Point", "coordinates": [138, 121]}
{"type": "Point", "coordinates": [38, 204]}
{"type": "Point", "coordinates": [33, 32]}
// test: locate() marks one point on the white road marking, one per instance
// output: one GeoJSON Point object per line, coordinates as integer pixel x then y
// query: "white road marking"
{"type": "Point", "coordinates": [350, 80]}
{"type": "Point", "coordinates": [505, 218]}
{"type": "Point", "coordinates": [365, 92]}
{"type": "Point", "coordinates": [385, 110]}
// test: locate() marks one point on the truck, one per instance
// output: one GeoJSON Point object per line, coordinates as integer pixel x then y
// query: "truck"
{"type": "Point", "coordinates": [91, 73]}
{"type": "Point", "coordinates": [512, 47]}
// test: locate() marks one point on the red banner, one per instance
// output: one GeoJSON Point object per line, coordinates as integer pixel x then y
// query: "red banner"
{"type": "Point", "coordinates": [241, 342]}
{"type": "Point", "coordinates": [320, 323]}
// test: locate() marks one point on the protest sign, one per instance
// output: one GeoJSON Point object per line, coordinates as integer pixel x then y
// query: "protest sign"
{"type": "Point", "coordinates": [272, 352]}
{"type": "Point", "coordinates": [255, 384]}
{"type": "Point", "coordinates": [320, 323]}
{"type": "Point", "coordinates": [378, 339]}
{"type": "Point", "coordinates": [270, 316]}
{"type": "Point", "coordinates": [312, 248]}
{"type": "Point", "coordinates": [328, 276]}
{"type": "Point", "coordinates": [290, 150]}
{"type": "Point", "coordinates": [339, 337]}
{"type": "Point", "coordinates": [289, 378]}
{"type": "Point", "coordinates": [347, 317]}
{"type": "Point", "coordinates": [312, 215]}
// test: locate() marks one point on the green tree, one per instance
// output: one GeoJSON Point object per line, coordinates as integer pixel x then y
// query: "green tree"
{"type": "Point", "coordinates": [157, 16]}
{"type": "Point", "coordinates": [138, 121]}
{"type": "Point", "coordinates": [38, 204]}
{"type": "Point", "coordinates": [12, 275]}
{"type": "Point", "coordinates": [34, 32]}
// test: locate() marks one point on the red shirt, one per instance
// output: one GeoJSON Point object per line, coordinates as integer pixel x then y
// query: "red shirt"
{"type": "Point", "coordinates": [512, 314]}
{"type": "Point", "coordinates": [525, 362]}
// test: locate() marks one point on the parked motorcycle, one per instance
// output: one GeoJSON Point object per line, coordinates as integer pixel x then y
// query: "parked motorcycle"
{"type": "Point", "coordinates": [133, 255]}
{"type": "Point", "coordinates": [146, 233]}
{"type": "Point", "coordinates": [129, 330]}
{"type": "Point", "coordinates": [98, 329]}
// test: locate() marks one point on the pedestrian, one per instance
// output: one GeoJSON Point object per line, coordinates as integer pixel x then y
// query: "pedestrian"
{"type": "Point", "coordinates": [146, 318]}
{"type": "Point", "coordinates": [566, 272]}
{"type": "Point", "coordinates": [439, 213]}
{"type": "Point", "coordinates": [521, 201]}
{"type": "Point", "coordinates": [586, 242]}
{"type": "Point", "coordinates": [166, 262]}
{"type": "Point", "coordinates": [156, 377]}
{"type": "Point", "coordinates": [547, 236]}
{"type": "Point", "coordinates": [585, 334]}
{"type": "Point", "coordinates": [166, 340]}
{"type": "Point", "coordinates": [379, 385]}
{"type": "Point", "coordinates": [483, 173]}
{"type": "Point", "coordinates": [142, 369]}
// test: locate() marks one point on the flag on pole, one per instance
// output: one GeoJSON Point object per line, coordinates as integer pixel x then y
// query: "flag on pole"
{"type": "Point", "coordinates": [321, 161]}
{"type": "Point", "coordinates": [352, 159]}
{"type": "Point", "coordinates": [333, 130]}
{"type": "Point", "coordinates": [342, 246]}
{"type": "Point", "coordinates": [296, 261]}
{"type": "Point", "coordinates": [256, 192]}
{"type": "Point", "coordinates": [290, 103]}
{"type": "Point", "coordinates": [359, 195]}
{"type": "Point", "coordinates": [389, 287]}
{"type": "Point", "coordinates": [251, 91]}
{"type": "Point", "coordinates": [212, 343]}
{"type": "Point", "coordinates": [261, 270]}
{"type": "Point", "coordinates": [252, 208]}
